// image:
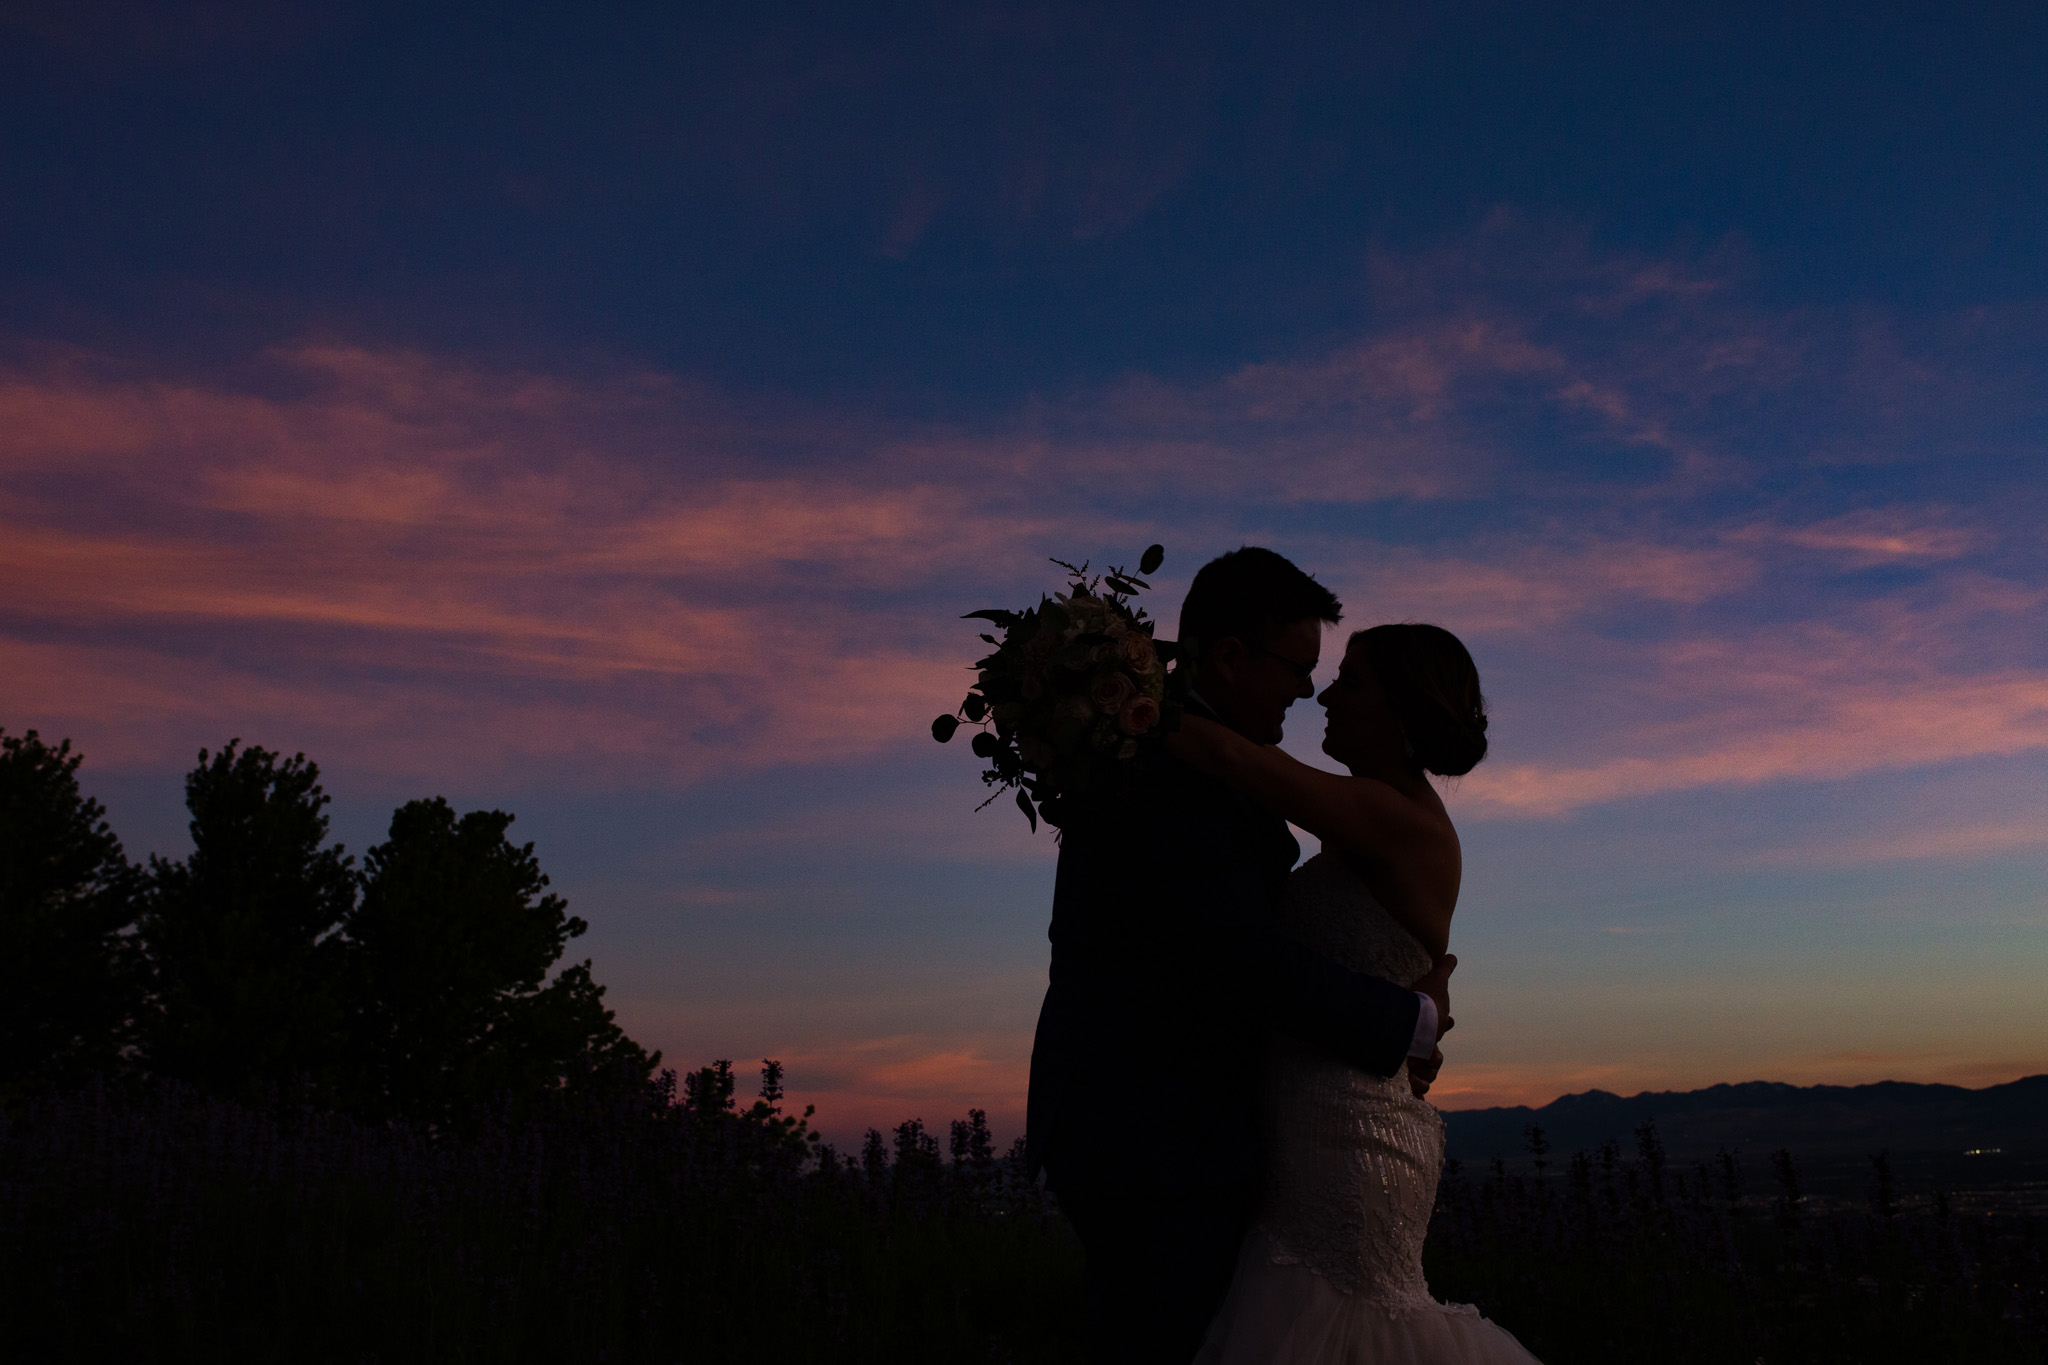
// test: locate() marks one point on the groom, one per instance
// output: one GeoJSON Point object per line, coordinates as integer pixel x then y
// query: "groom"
{"type": "Point", "coordinates": [1168, 970]}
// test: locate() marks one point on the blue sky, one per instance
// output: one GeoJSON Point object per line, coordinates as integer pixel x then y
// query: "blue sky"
{"type": "Point", "coordinates": [606, 416]}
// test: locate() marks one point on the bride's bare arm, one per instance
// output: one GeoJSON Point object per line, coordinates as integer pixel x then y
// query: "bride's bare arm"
{"type": "Point", "coordinates": [1359, 815]}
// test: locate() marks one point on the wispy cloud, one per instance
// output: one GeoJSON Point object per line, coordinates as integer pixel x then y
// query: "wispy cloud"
{"type": "Point", "coordinates": [636, 573]}
{"type": "Point", "coordinates": [1516, 586]}
{"type": "Point", "coordinates": [415, 541]}
{"type": "Point", "coordinates": [1987, 837]}
{"type": "Point", "coordinates": [1871, 537]}
{"type": "Point", "coordinates": [1778, 716]}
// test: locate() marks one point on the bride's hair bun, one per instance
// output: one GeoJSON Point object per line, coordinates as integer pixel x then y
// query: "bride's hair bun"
{"type": "Point", "coordinates": [1433, 687]}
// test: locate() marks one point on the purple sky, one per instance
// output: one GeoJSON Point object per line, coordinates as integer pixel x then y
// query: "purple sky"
{"type": "Point", "coordinates": [608, 419]}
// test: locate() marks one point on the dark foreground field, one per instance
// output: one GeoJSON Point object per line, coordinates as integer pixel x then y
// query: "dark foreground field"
{"type": "Point", "coordinates": [153, 1225]}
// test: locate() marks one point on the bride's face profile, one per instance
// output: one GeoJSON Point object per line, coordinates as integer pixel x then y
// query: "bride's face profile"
{"type": "Point", "coordinates": [1361, 730]}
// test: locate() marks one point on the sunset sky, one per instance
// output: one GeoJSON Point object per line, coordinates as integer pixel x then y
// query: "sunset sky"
{"type": "Point", "coordinates": [606, 412]}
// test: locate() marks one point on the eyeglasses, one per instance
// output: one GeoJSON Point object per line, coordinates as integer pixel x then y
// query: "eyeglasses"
{"type": "Point", "coordinates": [1301, 670]}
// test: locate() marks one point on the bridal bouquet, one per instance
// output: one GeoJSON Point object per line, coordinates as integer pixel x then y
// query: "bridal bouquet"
{"type": "Point", "coordinates": [1075, 689]}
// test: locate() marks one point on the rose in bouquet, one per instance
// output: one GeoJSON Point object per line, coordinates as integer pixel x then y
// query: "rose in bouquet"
{"type": "Point", "coordinates": [1076, 688]}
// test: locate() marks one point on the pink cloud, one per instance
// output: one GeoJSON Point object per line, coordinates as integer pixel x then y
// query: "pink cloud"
{"type": "Point", "coordinates": [660, 578]}
{"type": "Point", "coordinates": [878, 1083]}
{"type": "Point", "coordinates": [135, 705]}
{"type": "Point", "coordinates": [1879, 536]}
{"type": "Point", "coordinates": [1796, 703]}
{"type": "Point", "coordinates": [493, 539]}
{"type": "Point", "coordinates": [1522, 587]}
{"type": "Point", "coordinates": [1931, 674]}
{"type": "Point", "coordinates": [857, 1079]}
{"type": "Point", "coordinates": [493, 535]}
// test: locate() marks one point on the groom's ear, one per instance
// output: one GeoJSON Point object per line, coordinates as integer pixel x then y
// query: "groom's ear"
{"type": "Point", "coordinates": [1226, 656]}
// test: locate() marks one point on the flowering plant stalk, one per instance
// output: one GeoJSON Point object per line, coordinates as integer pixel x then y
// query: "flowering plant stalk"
{"type": "Point", "coordinates": [1076, 688]}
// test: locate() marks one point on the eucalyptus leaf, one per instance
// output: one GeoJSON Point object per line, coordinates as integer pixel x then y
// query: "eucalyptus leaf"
{"type": "Point", "coordinates": [1154, 556]}
{"type": "Point", "coordinates": [1024, 804]}
{"type": "Point", "coordinates": [943, 728]}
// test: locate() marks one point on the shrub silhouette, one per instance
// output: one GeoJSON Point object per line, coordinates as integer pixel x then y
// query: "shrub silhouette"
{"type": "Point", "coordinates": [68, 985]}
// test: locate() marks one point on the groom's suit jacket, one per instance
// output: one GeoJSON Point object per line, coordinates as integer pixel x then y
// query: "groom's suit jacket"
{"type": "Point", "coordinates": [1168, 969]}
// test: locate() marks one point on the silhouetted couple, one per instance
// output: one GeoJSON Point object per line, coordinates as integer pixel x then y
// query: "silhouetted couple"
{"type": "Point", "coordinates": [1227, 1082]}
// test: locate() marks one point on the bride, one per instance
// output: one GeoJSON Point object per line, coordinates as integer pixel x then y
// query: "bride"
{"type": "Point", "coordinates": [1331, 1271]}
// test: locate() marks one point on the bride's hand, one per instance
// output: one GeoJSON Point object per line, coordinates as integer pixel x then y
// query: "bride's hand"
{"type": "Point", "coordinates": [1422, 1074]}
{"type": "Point", "coordinates": [1199, 744]}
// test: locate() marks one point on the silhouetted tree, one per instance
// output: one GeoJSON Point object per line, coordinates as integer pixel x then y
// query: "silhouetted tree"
{"type": "Point", "coordinates": [449, 953]}
{"type": "Point", "coordinates": [708, 1091]}
{"type": "Point", "coordinates": [917, 1162]}
{"type": "Point", "coordinates": [874, 1160]}
{"type": "Point", "coordinates": [239, 937]}
{"type": "Point", "coordinates": [67, 979]}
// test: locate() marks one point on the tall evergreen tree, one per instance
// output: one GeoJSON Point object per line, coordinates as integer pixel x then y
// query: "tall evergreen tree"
{"type": "Point", "coordinates": [67, 984]}
{"type": "Point", "coordinates": [449, 955]}
{"type": "Point", "coordinates": [239, 937]}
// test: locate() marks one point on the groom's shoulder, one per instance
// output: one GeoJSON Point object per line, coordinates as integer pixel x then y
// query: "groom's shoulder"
{"type": "Point", "coordinates": [1157, 801]}
{"type": "Point", "coordinates": [1183, 795]}
{"type": "Point", "coordinates": [1167, 776]}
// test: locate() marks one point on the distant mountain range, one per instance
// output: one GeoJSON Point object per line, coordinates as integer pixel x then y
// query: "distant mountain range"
{"type": "Point", "coordinates": [1762, 1116]}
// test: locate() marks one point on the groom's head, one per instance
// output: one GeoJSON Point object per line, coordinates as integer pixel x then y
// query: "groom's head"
{"type": "Point", "coordinates": [1258, 626]}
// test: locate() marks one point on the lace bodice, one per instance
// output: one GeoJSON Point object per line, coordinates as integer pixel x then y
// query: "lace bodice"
{"type": "Point", "coordinates": [1327, 907]}
{"type": "Point", "coordinates": [1353, 1158]}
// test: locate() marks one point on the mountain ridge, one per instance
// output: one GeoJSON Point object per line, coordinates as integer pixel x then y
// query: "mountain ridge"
{"type": "Point", "coordinates": [1766, 1115]}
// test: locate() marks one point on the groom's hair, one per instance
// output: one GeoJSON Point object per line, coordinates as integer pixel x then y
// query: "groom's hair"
{"type": "Point", "coordinates": [1250, 593]}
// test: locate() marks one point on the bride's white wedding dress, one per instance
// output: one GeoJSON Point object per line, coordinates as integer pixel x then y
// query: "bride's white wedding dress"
{"type": "Point", "coordinates": [1331, 1271]}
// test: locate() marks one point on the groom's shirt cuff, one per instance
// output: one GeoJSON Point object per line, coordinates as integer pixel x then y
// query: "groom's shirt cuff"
{"type": "Point", "coordinates": [1425, 1028]}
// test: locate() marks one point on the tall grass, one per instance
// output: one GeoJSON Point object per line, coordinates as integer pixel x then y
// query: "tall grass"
{"type": "Point", "coordinates": [153, 1224]}
{"type": "Point", "coordinates": [157, 1225]}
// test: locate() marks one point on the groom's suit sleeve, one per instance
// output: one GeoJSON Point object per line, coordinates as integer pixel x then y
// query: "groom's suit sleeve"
{"type": "Point", "coordinates": [1367, 1021]}
{"type": "Point", "coordinates": [1217, 881]}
